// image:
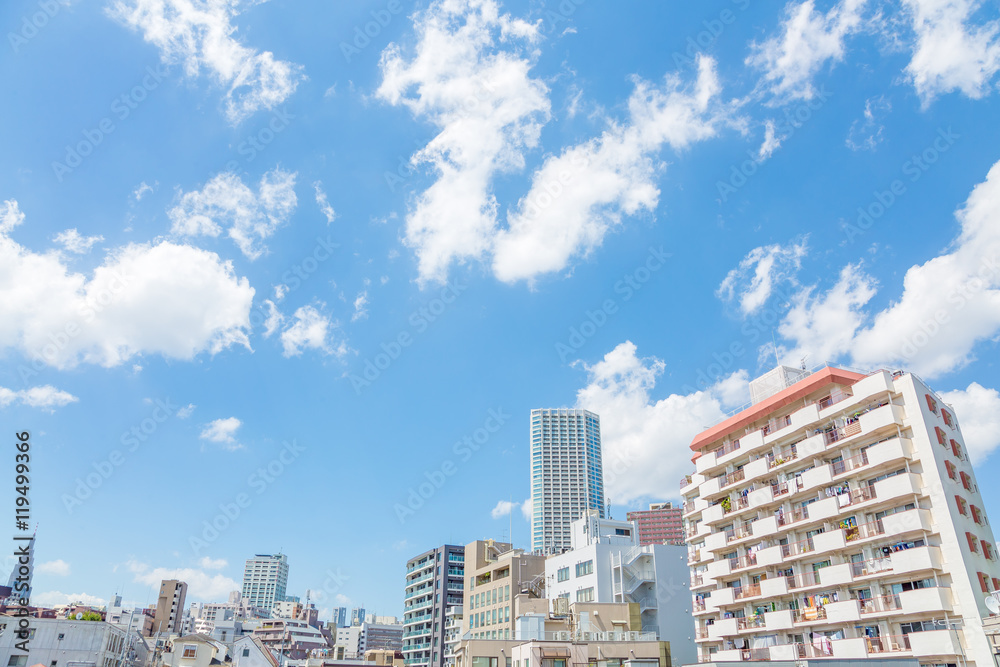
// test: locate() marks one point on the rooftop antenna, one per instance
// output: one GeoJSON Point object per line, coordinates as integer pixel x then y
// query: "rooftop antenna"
{"type": "Point", "coordinates": [774, 345]}
{"type": "Point", "coordinates": [510, 521]}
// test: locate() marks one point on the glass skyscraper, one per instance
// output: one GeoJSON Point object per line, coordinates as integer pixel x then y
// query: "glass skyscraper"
{"type": "Point", "coordinates": [264, 580]}
{"type": "Point", "coordinates": [566, 474]}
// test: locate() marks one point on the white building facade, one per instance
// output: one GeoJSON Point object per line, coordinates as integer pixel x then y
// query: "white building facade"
{"type": "Point", "coordinates": [435, 581]}
{"type": "Point", "coordinates": [839, 517]}
{"type": "Point", "coordinates": [607, 564]}
{"type": "Point", "coordinates": [65, 643]}
{"type": "Point", "coordinates": [567, 475]}
{"type": "Point", "coordinates": [265, 580]}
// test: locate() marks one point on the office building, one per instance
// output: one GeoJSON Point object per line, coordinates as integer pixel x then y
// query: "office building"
{"type": "Point", "coordinates": [607, 565]}
{"type": "Point", "coordinates": [169, 607]}
{"type": "Point", "coordinates": [358, 616]}
{"type": "Point", "coordinates": [495, 575]}
{"type": "Point", "coordinates": [839, 517]}
{"type": "Point", "coordinates": [434, 582]}
{"type": "Point", "coordinates": [567, 476]}
{"type": "Point", "coordinates": [265, 579]}
{"type": "Point", "coordinates": [339, 618]}
{"type": "Point", "coordinates": [662, 523]}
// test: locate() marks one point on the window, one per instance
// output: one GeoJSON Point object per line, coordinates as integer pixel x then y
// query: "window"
{"type": "Point", "coordinates": [950, 467]}
{"type": "Point", "coordinates": [977, 515]}
{"type": "Point", "coordinates": [966, 480]}
{"type": "Point", "coordinates": [973, 545]}
{"type": "Point", "coordinates": [961, 505]}
{"type": "Point", "coordinates": [987, 549]}
{"type": "Point", "coordinates": [17, 661]}
{"type": "Point", "coordinates": [956, 449]}
{"type": "Point", "coordinates": [562, 574]}
{"type": "Point", "coordinates": [484, 662]}
{"type": "Point", "coordinates": [941, 437]}
{"type": "Point", "coordinates": [931, 404]}
{"type": "Point", "coordinates": [585, 568]}
{"type": "Point", "coordinates": [984, 583]}
{"type": "Point", "coordinates": [246, 652]}
{"type": "Point", "coordinates": [61, 636]}
{"type": "Point", "coordinates": [947, 418]}
{"type": "Point", "coordinates": [585, 595]}
{"type": "Point", "coordinates": [190, 650]}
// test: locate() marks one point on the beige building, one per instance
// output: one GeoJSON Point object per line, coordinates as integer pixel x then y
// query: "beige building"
{"type": "Point", "coordinates": [839, 517]}
{"type": "Point", "coordinates": [193, 651]}
{"type": "Point", "coordinates": [169, 607]}
{"type": "Point", "coordinates": [494, 576]}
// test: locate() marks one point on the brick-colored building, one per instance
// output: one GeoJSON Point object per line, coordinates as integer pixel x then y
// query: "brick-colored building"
{"type": "Point", "coordinates": [662, 523]}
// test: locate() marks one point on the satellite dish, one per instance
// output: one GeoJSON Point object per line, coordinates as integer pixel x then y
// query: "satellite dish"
{"type": "Point", "coordinates": [79, 615]}
{"type": "Point", "coordinates": [993, 603]}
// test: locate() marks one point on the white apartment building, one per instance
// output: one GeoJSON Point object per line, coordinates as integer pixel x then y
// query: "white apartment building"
{"type": "Point", "coordinates": [607, 564]}
{"type": "Point", "coordinates": [567, 477]}
{"type": "Point", "coordinates": [839, 518]}
{"type": "Point", "coordinates": [265, 580]}
{"type": "Point", "coordinates": [435, 581]}
{"type": "Point", "coordinates": [452, 633]}
{"type": "Point", "coordinates": [63, 643]}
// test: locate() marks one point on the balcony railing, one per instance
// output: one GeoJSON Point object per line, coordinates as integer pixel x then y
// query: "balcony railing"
{"type": "Point", "coordinates": [691, 531]}
{"type": "Point", "coordinates": [802, 580]}
{"type": "Point", "coordinates": [694, 555]}
{"type": "Point", "coordinates": [697, 580]}
{"type": "Point", "coordinates": [847, 465]}
{"type": "Point", "coordinates": [880, 604]}
{"type": "Point", "coordinates": [796, 548]}
{"type": "Point", "coordinates": [735, 505]}
{"type": "Point", "coordinates": [739, 532]}
{"type": "Point", "coordinates": [888, 644]}
{"type": "Point", "coordinates": [688, 506]}
{"type": "Point", "coordinates": [701, 633]}
{"type": "Point", "coordinates": [749, 622]}
{"type": "Point", "coordinates": [776, 425]}
{"type": "Point", "coordinates": [834, 398]}
{"type": "Point", "coordinates": [685, 480]}
{"type": "Point", "coordinates": [733, 477]}
{"type": "Point", "coordinates": [873, 566]}
{"type": "Point", "coordinates": [861, 495]}
{"type": "Point", "coordinates": [782, 458]}
{"type": "Point", "coordinates": [746, 560]}
{"type": "Point", "coordinates": [755, 655]}
{"type": "Point", "coordinates": [817, 649]}
{"type": "Point", "coordinates": [747, 591]}
{"type": "Point", "coordinates": [807, 614]}
{"type": "Point", "coordinates": [797, 514]}
{"type": "Point", "coordinates": [864, 531]}
{"type": "Point", "coordinates": [728, 448]}
{"type": "Point", "coordinates": [698, 605]}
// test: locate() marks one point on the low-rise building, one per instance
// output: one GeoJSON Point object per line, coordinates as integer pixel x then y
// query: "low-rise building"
{"type": "Point", "coordinates": [494, 575]}
{"type": "Point", "coordinates": [63, 643]}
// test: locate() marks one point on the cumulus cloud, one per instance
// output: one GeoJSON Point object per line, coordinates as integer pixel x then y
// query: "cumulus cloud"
{"type": "Point", "coordinates": [577, 196]}
{"type": "Point", "coordinates": [10, 216]}
{"type": "Point", "coordinates": [978, 411]}
{"type": "Point", "coordinates": [646, 441]}
{"type": "Point", "coordinates": [45, 397]}
{"type": "Point", "coordinates": [201, 585]}
{"type": "Point", "coordinates": [223, 432]}
{"type": "Point", "coordinates": [207, 563]}
{"type": "Point", "coordinates": [165, 298]}
{"type": "Point", "coordinates": [199, 36]}
{"type": "Point", "coordinates": [248, 217]}
{"type": "Point", "coordinates": [53, 598]}
{"type": "Point", "coordinates": [309, 329]}
{"type": "Point", "coordinates": [950, 53]}
{"type": "Point", "coordinates": [948, 304]}
{"type": "Point", "coordinates": [186, 411]}
{"type": "Point", "coordinates": [502, 509]}
{"type": "Point", "coordinates": [76, 243]}
{"type": "Point", "coordinates": [753, 280]}
{"type": "Point", "coordinates": [488, 110]}
{"type": "Point", "coordinates": [808, 40]}
{"type": "Point", "coordinates": [58, 568]}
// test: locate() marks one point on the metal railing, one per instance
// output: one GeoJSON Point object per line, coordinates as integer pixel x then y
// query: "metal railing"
{"type": "Point", "coordinates": [888, 644]}
{"type": "Point", "coordinates": [733, 477]}
{"type": "Point", "coordinates": [796, 515]}
{"type": "Point", "coordinates": [847, 465]}
{"type": "Point", "coordinates": [864, 531]}
{"type": "Point", "coordinates": [749, 622]}
{"type": "Point", "coordinates": [807, 614]}
{"type": "Point", "coordinates": [873, 566]}
{"type": "Point", "coordinates": [880, 604]}
{"type": "Point", "coordinates": [802, 580]}
{"type": "Point", "coordinates": [748, 591]}
{"type": "Point", "coordinates": [746, 560]}
{"type": "Point", "coordinates": [796, 548]}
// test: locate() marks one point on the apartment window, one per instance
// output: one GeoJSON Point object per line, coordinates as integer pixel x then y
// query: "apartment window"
{"type": "Point", "coordinates": [966, 480]}
{"type": "Point", "coordinates": [246, 652]}
{"type": "Point", "coordinates": [931, 404]}
{"type": "Point", "coordinates": [961, 505]}
{"type": "Point", "coordinates": [484, 662]}
{"type": "Point", "coordinates": [942, 438]}
{"type": "Point", "coordinates": [585, 595]}
{"type": "Point", "coordinates": [506, 592]}
{"type": "Point", "coordinates": [987, 549]}
{"type": "Point", "coordinates": [950, 467]}
{"type": "Point", "coordinates": [956, 449]}
{"type": "Point", "coordinates": [61, 636]}
{"type": "Point", "coordinates": [973, 546]}
{"type": "Point", "coordinates": [984, 583]}
{"type": "Point", "coordinates": [17, 661]}
{"type": "Point", "coordinates": [976, 514]}
{"type": "Point", "coordinates": [190, 650]}
{"type": "Point", "coordinates": [585, 568]}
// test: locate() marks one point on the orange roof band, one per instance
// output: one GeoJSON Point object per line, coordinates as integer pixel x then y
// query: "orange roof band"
{"type": "Point", "coordinates": [800, 389]}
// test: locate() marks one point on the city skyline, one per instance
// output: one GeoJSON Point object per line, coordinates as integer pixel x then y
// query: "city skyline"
{"type": "Point", "coordinates": [308, 286]}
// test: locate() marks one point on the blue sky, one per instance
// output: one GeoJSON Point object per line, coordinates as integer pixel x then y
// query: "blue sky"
{"type": "Point", "coordinates": [302, 269]}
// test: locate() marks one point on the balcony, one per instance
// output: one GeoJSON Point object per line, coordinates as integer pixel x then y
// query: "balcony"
{"type": "Point", "coordinates": [697, 580]}
{"type": "Point", "coordinates": [739, 532]}
{"type": "Point", "coordinates": [779, 620]}
{"type": "Point", "coordinates": [849, 465]}
{"type": "Point", "coordinates": [942, 643]}
{"type": "Point", "coordinates": [933, 600]}
{"type": "Point", "coordinates": [808, 615]}
{"type": "Point", "coordinates": [835, 397]}
{"type": "Point", "coordinates": [887, 644]}
{"type": "Point", "coordinates": [802, 580]}
{"type": "Point", "coordinates": [749, 623]}
{"type": "Point", "coordinates": [700, 632]}
{"type": "Point", "coordinates": [744, 561]}
{"type": "Point", "coordinates": [734, 477]}
{"type": "Point", "coordinates": [725, 627]}
{"type": "Point", "coordinates": [796, 515]}
{"type": "Point", "coordinates": [882, 604]}
{"type": "Point", "coordinates": [798, 548]}
{"type": "Point", "coordinates": [867, 568]}
{"type": "Point", "coordinates": [912, 561]}
{"type": "Point", "coordinates": [749, 591]}
{"type": "Point", "coordinates": [864, 531]}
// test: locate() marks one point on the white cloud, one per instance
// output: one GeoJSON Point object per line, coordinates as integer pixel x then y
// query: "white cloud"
{"type": "Point", "coordinates": [645, 441]}
{"type": "Point", "coordinates": [74, 242]}
{"type": "Point", "coordinates": [360, 307]}
{"type": "Point", "coordinates": [186, 411]}
{"type": "Point", "coordinates": [198, 35]}
{"type": "Point", "coordinates": [949, 53]}
{"type": "Point", "coordinates": [168, 299]}
{"type": "Point", "coordinates": [223, 432]}
{"type": "Point", "coordinates": [309, 330]}
{"type": "Point", "coordinates": [502, 509]}
{"type": "Point", "coordinates": [866, 133]}
{"type": "Point", "coordinates": [488, 109]}
{"type": "Point", "coordinates": [10, 216]}
{"type": "Point", "coordinates": [52, 598]}
{"type": "Point", "coordinates": [207, 563]}
{"type": "Point", "coordinates": [58, 568]}
{"type": "Point", "coordinates": [770, 144]}
{"type": "Point", "coordinates": [201, 585]}
{"type": "Point", "coordinates": [753, 280]}
{"type": "Point", "coordinates": [576, 197]}
{"type": "Point", "coordinates": [280, 291]}
{"type": "Point", "coordinates": [143, 189]}
{"type": "Point", "coordinates": [978, 411]}
{"type": "Point", "coordinates": [324, 204]}
{"type": "Point", "coordinates": [808, 40]}
{"type": "Point", "coordinates": [526, 507]}
{"type": "Point", "coordinates": [46, 397]}
{"type": "Point", "coordinates": [274, 318]}
{"type": "Point", "coordinates": [226, 202]}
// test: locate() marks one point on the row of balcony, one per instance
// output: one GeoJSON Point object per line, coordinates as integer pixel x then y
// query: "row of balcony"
{"type": "Point", "coordinates": [931, 643]}
{"type": "Point", "coordinates": [921, 601]}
